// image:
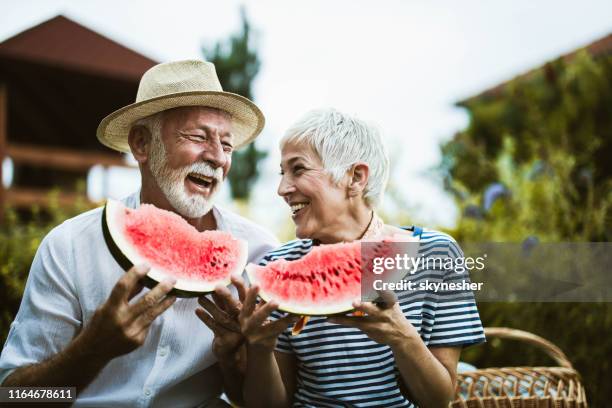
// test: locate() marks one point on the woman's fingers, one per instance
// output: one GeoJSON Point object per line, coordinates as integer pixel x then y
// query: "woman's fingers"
{"type": "Point", "coordinates": [277, 327]}
{"type": "Point", "coordinates": [261, 315]}
{"type": "Point", "coordinates": [350, 321]}
{"type": "Point", "coordinates": [367, 308]}
{"type": "Point", "coordinates": [387, 299]}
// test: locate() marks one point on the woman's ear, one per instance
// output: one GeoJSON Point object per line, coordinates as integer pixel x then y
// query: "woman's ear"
{"type": "Point", "coordinates": [139, 140]}
{"type": "Point", "coordinates": [359, 174]}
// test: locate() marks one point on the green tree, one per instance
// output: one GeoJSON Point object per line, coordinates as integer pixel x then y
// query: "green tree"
{"type": "Point", "coordinates": [534, 161]}
{"type": "Point", "coordinates": [237, 65]}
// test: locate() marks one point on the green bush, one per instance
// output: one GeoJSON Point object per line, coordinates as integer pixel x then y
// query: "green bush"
{"type": "Point", "coordinates": [20, 236]}
{"type": "Point", "coordinates": [547, 138]}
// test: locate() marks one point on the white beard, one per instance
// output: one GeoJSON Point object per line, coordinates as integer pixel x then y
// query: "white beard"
{"type": "Point", "coordinates": [172, 182]}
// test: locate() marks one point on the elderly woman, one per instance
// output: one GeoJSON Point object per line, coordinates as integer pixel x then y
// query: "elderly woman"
{"type": "Point", "coordinates": [399, 354]}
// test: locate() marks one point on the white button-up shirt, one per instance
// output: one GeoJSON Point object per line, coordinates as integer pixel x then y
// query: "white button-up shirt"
{"type": "Point", "coordinates": [73, 274]}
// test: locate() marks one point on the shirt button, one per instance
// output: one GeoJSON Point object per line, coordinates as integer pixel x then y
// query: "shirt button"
{"type": "Point", "coordinates": [147, 392]}
{"type": "Point", "coordinates": [163, 353]}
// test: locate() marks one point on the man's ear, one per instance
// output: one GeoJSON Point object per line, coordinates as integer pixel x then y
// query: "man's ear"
{"type": "Point", "coordinates": [139, 140]}
{"type": "Point", "coordinates": [359, 174]}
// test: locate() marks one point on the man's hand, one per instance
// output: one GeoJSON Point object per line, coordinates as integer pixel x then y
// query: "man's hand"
{"type": "Point", "coordinates": [118, 327]}
{"type": "Point", "coordinates": [221, 317]}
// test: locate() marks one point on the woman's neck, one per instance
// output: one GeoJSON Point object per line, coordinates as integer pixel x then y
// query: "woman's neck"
{"type": "Point", "coordinates": [349, 227]}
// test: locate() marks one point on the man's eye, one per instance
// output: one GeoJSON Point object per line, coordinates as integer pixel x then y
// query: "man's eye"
{"type": "Point", "coordinates": [298, 169]}
{"type": "Point", "coordinates": [228, 148]}
{"type": "Point", "coordinates": [197, 138]}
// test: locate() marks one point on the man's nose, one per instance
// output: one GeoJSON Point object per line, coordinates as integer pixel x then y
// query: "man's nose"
{"type": "Point", "coordinates": [213, 153]}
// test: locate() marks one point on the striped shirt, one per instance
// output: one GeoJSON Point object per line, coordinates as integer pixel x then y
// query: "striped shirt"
{"type": "Point", "coordinates": [341, 367]}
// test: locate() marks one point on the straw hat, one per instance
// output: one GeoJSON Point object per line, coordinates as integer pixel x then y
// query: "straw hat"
{"type": "Point", "coordinates": [181, 83]}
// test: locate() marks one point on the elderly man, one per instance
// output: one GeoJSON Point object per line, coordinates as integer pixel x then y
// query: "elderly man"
{"type": "Point", "coordinates": [83, 321]}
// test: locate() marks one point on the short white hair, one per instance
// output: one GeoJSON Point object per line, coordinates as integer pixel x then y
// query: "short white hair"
{"type": "Point", "coordinates": [341, 140]}
{"type": "Point", "coordinates": [153, 123]}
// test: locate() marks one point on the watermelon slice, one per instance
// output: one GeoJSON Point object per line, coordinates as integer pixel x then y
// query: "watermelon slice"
{"type": "Point", "coordinates": [328, 279]}
{"type": "Point", "coordinates": [199, 261]}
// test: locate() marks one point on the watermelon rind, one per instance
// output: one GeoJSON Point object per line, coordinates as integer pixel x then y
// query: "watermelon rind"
{"type": "Point", "coordinates": [127, 256]}
{"type": "Point", "coordinates": [309, 309]}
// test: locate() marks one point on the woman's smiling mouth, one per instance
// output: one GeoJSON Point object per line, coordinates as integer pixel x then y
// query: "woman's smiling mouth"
{"type": "Point", "coordinates": [296, 207]}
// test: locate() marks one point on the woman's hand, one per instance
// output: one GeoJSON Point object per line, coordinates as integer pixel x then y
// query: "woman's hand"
{"type": "Point", "coordinates": [221, 317]}
{"type": "Point", "coordinates": [258, 330]}
{"type": "Point", "coordinates": [383, 322]}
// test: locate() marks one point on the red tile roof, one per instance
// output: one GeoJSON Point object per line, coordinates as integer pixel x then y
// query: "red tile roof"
{"type": "Point", "coordinates": [66, 44]}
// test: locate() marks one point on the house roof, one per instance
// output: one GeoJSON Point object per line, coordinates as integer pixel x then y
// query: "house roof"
{"type": "Point", "coordinates": [64, 43]}
{"type": "Point", "coordinates": [598, 48]}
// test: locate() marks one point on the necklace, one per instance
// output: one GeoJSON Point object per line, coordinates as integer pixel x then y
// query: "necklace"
{"type": "Point", "coordinates": [374, 228]}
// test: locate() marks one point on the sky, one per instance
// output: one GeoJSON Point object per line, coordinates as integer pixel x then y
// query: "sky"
{"type": "Point", "coordinates": [399, 64]}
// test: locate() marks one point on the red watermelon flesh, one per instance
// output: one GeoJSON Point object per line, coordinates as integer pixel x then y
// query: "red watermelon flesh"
{"type": "Point", "coordinates": [172, 247]}
{"type": "Point", "coordinates": [329, 278]}
{"type": "Point", "coordinates": [325, 281]}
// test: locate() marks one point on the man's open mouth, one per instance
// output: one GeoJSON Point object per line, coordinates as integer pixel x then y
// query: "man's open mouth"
{"type": "Point", "coordinates": [201, 180]}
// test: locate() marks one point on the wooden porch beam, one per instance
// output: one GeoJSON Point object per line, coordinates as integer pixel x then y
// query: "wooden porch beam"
{"type": "Point", "coordinates": [52, 157]}
{"type": "Point", "coordinates": [3, 137]}
{"type": "Point", "coordinates": [23, 197]}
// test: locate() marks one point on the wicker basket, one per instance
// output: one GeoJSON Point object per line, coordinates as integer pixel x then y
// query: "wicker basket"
{"type": "Point", "coordinates": [521, 387]}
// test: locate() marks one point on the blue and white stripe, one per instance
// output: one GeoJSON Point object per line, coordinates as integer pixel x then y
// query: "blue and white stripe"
{"type": "Point", "coordinates": [341, 367]}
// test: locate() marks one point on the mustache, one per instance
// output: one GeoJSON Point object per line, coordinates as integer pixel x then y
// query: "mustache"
{"type": "Point", "coordinates": [204, 169]}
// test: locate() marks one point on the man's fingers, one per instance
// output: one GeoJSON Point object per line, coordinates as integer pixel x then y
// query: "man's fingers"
{"type": "Point", "coordinates": [250, 301]}
{"type": "Point", "coordinates": [207, 320]}
{"type": "Point", "coordinates": [238, 282]}
{"type": "Point", "coordinates": [230, 304]}
{"type": "Point", "coordinates": [219, 315]}
{"type": "Point", "coordinates": [125, 285]}
{"type": "Point", "coordinates": [136, 290]}
{"type": "Point", "coordinates": [219, 300]}
{"type": "Point", "coordinates": [145, 319]}
{"type": "Point", "coordinates": [151, 299]}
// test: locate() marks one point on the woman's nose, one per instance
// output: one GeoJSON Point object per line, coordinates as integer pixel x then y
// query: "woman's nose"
{"type": "Point", "coordinates": [285, 186]}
